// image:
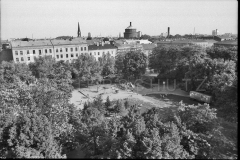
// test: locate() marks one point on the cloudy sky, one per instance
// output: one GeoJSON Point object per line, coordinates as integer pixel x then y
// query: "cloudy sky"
{"type": "Point", "coordinates": [52, 18]}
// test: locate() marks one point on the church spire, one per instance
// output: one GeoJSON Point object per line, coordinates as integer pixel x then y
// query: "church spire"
{"type": "Point", "coordinates": [79, 32]}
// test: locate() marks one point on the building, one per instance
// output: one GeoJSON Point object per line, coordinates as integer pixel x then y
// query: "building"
{"type": "Point", "coordinates": [223, 38]}
{"type": "Point", "coordinates": [214, 33]}
{"type": "Point", "coordinates": [137, 41]}
{"type": "Point", "coordinates": [100, 48]}
{"type": "Point", "coordinates": [130, 32]}
{"type": "Point", "coordinates": [66, 50]}
{"type": "Point", "coordinates": [124, 48]}
{"type": "Point", "coordinates": [139, 34]}
{"type": "Point", "coordinates": [201, 43]}
{"type": "Point", "coordinates": [228, 43]}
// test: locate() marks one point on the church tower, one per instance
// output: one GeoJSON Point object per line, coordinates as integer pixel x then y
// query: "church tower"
{"type": "Point", "coordinates": [79, 32]}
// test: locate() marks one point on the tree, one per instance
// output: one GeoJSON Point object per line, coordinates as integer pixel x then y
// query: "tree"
{"type": "Point", "coordinates": [131, 64]}
{"type": "Point", "coordinates": [164, 60]}
{"type": "Point", "coordinates": [107, 64]}
{"type": "Point", "coordinates": [87, 68]}
{"type": "Point", "coordinates": [145, 36]}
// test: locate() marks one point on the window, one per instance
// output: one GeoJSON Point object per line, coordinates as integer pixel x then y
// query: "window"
{"type": "Point", "coordinates": [61, 56]}
{"type": "Point", "coordinates": [56, 50]}
{"type": "Point", "coordinates": [90, 53]}
{"type": "Point", "coordinates": [71, 49]}
{"type": "Point", "coordinates": [85, 48]}
{"type": "Point", "coordinates": [66, 49]}
{"type": "Point", "coordinates": [81, 48]}
{"type": "Point", "coordinates": [45, 50]}
{"type": "Point", "coordinates": [22, 59]}
{"type": "Point", "coordinates": [28, 58]}
{"type": "Point", "coordinates": [16, 52]}
{"type": "Point", "coordinates": [60, 49]}
{"type": "Point", "coordinates": [72, 55]}
{"type": "Point", "coordinates": [76, 55]}
{"type": "Point", "coordinates": [98, 53]}
{"type": "Point", "coordinates": [98, 58]}
{"type": "Point", "coordinates": [66, 55]}
{"type": "Point", "coordinates": [39, 52]}
{"type": "Point", "coordinates": [50, 51]}
{"type": "Point", "coordinates": [21, 52]}
{"type": "Point", "coordinates": [95, 53]}
{"type": "Point", "coordinates": [17, 59]}
{"type": "Point", "coordinates": [27, 51]}
{"type": "Point", "coordinates": [76, 49]}
{"type": "Point", "coordinates": [57, 56]}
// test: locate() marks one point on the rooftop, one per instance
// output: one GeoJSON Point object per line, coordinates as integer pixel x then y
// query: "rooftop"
{"type": "Point", "coordinates": [100, 47]}
{"type": "Point", "coordinates": [149, 46]}
{"type": "Point", "coordinates": [30, 43]}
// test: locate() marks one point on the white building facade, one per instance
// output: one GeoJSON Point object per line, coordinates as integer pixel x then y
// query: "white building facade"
{"type": "Point", "coordinates": [26, 51]}
{"type": "Point", "coordinates": [99, 49]}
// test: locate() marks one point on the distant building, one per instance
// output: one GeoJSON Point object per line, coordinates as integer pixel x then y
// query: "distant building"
{"type": "Point", "coordinates": [214, 33]}
{"type": "Point", "coordinates": [227, 43]}
{"type": "Point", "coordinates": [223, 38]}
{"type": "Point", "coordinates": [124, 48]}
{"type": "Point", "coordinates": [100, 48]}
{"type": "Point", "coordinates": [130, 32]}
{"type": "Point", "coordinates": [139, 34]}
{"type": "Point", "coordinates": [201, 43]}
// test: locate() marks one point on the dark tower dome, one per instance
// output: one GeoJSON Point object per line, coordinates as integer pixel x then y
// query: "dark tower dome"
{"type": "Point", "coordinates": [130, 32]}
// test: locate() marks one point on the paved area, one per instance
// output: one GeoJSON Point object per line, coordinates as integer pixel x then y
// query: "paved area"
{"type": "Point", "coordinates": [89, 94]}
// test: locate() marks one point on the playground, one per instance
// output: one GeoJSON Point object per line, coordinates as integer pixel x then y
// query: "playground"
{"type": "Point", "coordinates": [130, 92]}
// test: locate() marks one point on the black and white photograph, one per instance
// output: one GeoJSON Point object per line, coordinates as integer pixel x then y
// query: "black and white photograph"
{"type": "Point", "coordinates": [119, 79]}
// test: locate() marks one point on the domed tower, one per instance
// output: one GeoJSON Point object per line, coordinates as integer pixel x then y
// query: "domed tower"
{"type": "Point", "coordinates": [130, 32]}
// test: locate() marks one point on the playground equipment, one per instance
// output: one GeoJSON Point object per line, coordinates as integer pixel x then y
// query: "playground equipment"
{"type": "Point", "coordinates": [83, 94]}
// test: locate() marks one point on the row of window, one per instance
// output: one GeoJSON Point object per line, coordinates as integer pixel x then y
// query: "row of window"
{"type": "Point", "coordinates": [98, 53]}
{"type": "Point", "coordinates": [50, 50]}
{"type": "Point", "coordinates": [39, 51]}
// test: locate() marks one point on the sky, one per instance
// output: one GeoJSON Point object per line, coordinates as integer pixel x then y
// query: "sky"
{"type": "Point", "coordinates": [53, 18]}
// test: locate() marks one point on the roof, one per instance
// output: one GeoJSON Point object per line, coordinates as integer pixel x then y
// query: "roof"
{"type": "Point", "coordinates": [100, 47]}
{"type": "Point", "coordinates": [149, 46]}
{"type": "Point", "coordinates": [123, 46]}
{"type": "Point", "coordinates": [130, 27]}
{"type": "Point", "coordinates": [228, 42]}
{"type": "Point", "coordinates": [16, 44]}
{"type": "Point", "coordinates": [224, 36]}
{"type": "Point", "coordinates": [74, 41]}
{"type": "Point", "coordinates": [46, 42]}
{"type": "Point", "coordinates": [92, 41]}
{"type": "Point", "coordinates": [182, 41]}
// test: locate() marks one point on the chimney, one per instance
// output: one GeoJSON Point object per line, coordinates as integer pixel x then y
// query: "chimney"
{"type": "Point", "coordinates": [216, 31]}
{"type": "Point", "coordinates": [168, 31]}
{"type": "Point", "coordinates": [97, 43]}
{"type": "Point", "coordinates": [130, 23]}
{"type": "Point", "coordinates": [102, 43]}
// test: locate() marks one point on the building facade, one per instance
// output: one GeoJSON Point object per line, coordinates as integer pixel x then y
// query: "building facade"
{"type": "Point", "coordinates": [98, 49]}
{"type": "Point", "coordinates": [66, 50]}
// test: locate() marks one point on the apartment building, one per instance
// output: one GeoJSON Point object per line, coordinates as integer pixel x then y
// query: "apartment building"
{"type": "Point", "coordinates": [100, 48]}
{"type": "Point", "coordinates": [26, 51]}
